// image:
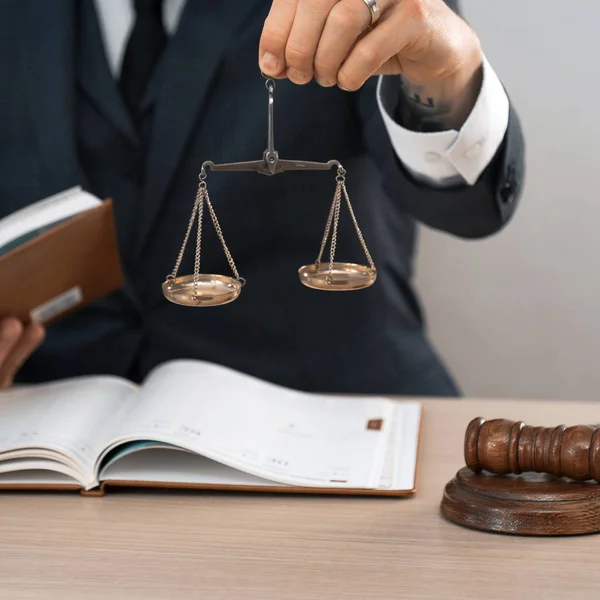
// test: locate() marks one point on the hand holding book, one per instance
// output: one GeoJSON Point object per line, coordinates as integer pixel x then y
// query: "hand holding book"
{"type": "Point", "coordinates": [59, 254]}
{"type": "Point", "coordinates": [17, 343]}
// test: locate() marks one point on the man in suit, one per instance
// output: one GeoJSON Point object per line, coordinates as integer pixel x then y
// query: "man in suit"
{"type": "Point", "coordinates": [128, 98]}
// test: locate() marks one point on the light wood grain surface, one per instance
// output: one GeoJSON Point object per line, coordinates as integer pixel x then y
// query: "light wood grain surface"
{"type": "Point", "coordinates": [167, 546]}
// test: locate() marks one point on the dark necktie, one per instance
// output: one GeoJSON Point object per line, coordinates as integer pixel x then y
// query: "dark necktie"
{"type": "Point", "coordinates": [145, 46]}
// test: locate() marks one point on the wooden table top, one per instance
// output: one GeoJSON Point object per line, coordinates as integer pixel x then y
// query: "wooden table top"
{"type": "Point", "coordinates": [231, 547]}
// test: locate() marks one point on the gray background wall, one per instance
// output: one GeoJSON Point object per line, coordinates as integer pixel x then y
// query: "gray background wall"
{"type": "Point", "coordinates": [518, 315]}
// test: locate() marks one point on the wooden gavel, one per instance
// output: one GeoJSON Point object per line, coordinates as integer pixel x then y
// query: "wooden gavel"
{"type": "Point", "coordinates": [504, 447]}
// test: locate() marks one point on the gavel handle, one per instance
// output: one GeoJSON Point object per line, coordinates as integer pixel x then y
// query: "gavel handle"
{"type": "Point", "coordinates": [503, 447]}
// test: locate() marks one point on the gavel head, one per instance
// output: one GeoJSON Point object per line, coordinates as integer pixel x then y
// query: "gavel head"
{"type": "Point", "coordinates": [503, 447]}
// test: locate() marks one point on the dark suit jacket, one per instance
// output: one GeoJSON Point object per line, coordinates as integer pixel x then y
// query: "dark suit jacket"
{"type": "Point", "coordinates": [62, 124]}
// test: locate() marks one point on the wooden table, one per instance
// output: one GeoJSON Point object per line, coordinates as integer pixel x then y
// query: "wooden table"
{"type": "Point", "coordinates": [210, 546]}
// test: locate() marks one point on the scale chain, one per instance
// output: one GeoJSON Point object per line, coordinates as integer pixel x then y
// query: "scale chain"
{"type": "Point", "coordinates": [336, 222]}
{"type": "Point", "coordinates": [198, 210]}
{"type": "Point", "coordinates": [358, 231]}
{"type": "Point", "coordinates": [187, 235]}
{"type": "Point", "coordinates": [327, 229]}
{"type": "Point", "coordinates": [334, 217]}
{"type": "Point", "coordinates": [201, 195]}
{"type": "Point", "coordinates": [220, 234]}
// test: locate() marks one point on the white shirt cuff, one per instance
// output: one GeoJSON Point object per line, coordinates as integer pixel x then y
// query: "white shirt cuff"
{"type": "Point", "coordinates": [443, 157]}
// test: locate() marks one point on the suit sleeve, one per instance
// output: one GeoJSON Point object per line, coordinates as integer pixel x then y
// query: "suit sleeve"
{"type": "Point", "coordinates": [472, 209]}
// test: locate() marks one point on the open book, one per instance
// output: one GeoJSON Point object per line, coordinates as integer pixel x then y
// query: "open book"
{"type": "Point", "coordinates": [200, 425]}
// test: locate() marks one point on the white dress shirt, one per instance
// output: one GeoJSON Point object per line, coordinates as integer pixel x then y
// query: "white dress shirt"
{"type": "Point", "coordinates": [441, 158]}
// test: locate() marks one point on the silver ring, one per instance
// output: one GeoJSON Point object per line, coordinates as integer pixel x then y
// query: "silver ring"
{"type": "Point", "coordinates": [374, 10]}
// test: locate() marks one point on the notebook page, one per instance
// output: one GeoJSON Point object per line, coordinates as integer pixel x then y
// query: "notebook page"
{"type": "Point", "coordinates": [35, 477]}
{"type": "Point", "coordinates": [72, 416]}
{"type": "Point", "coordinates": [408, 430]}
{"type": "Point", "coordinates": [44, 212]}
{"type": "Point", "coordinates": [19, 466]}
{"type": "Point", "coordinates": [169, 465]}
{"type": "Point", "coordinates": [265, 430]}
{"type": "Point", "coordinates": [156, 462]}
{"type": "Point", "coordinates": [399, 466]}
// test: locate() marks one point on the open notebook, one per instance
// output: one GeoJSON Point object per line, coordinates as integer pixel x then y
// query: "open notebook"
{"type": "Point", "coordinates": [196, 424]}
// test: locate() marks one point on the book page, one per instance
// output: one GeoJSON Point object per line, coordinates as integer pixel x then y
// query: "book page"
{"type": "Point", "coordinates": [262, 429]}
{"type": "Point", "coordinates": [400, 462]}
{"type": "Point", "coordinates": [32, 465]}
{"type": "Point", "coordinates": [164, 464]}
{"type": "Point", "coordinates": [72, 417]}
{"type": "Point", "coordinates": [36, 478]}
{"type": "Point", "coordinates": [408, 431]}
{"type": "Point", "coordinates": [35, 218]}
{"type": "Point", "coordinates": [161, 463]}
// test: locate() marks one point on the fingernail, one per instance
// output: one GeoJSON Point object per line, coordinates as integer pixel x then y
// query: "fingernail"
{"type": "Point", "coordinates": [270, 63]}
{"type": "Point", "coordinates": [297, 76]}
{"type": "Point", "coordinates": [325, 82]}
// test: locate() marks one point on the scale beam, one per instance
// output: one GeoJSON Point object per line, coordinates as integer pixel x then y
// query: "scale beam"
{"type": "Point", "coordinates": [271, 163]}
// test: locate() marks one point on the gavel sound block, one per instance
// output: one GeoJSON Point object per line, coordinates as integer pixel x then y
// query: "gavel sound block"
{"type": "Point", "coordinates": [527, 480]}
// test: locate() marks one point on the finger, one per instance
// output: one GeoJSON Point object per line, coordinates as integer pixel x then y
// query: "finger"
{"type": "Point", "coordinates": [372, 52]}
{"type": "Point", "coordinates": [346, 23]}
{"type": "Point", "coordinates": [10, 333]}
{"type": "Point", "coordinates": [276, 31]}
{"type": "Point", "coordinates": [29, 340]}
{"type": "Point", "coordinates": [302, 43]}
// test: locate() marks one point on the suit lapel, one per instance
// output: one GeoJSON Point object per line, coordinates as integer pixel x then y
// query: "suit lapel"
{"type": "Point", "coordinates": [95, 77]}
{"type": "Point", "coordinates": [206, 30]}
{"type": "Point", "coordinates": [48, 56]}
